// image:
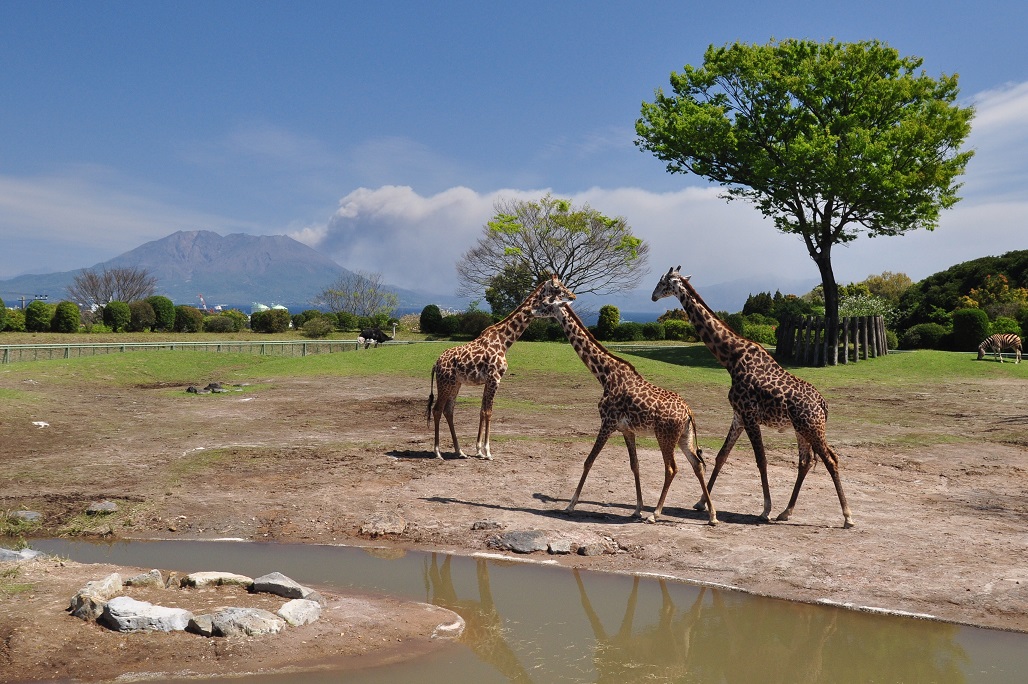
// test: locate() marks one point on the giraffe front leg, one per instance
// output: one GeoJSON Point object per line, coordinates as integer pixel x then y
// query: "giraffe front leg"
{"type": "Point", "coordinates": [753, 432]}
{"type": "Point", "coordinates": [804, 467]}
{"type": "Point", "coordinates": [601, 439]}
{"type": "Point", "coordinates": [633, 461]}
{"type": "Point", "coordinates": [484, 419]}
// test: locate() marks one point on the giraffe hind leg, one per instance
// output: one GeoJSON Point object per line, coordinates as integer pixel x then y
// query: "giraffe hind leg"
{"type": "Point", "coordinates": [692, 453]}
{"type": "Point", "coordinates": [633, 461]}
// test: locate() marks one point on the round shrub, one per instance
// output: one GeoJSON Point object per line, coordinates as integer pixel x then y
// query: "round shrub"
{"type": "Point", "coordinates": [270, 321]}
{"type": "Point", "coordinates": [347, 321]}
{"type": "Point", "coordinates": [472, 323]}
{"type": "Point", "coordinates": [608, 322]}
{"type": "Point", "coordinates": [38, 316]}
{"type": "Point", "coordinates": [163, 311]}
{"type": "Point", "coordinates": [923, 336]}
{"type": "Point", "coordinates": [675, 329]}
{"type": "Point", "coordinates": [891, 339]}
{"type": "Point", "coordinates": [629, 332]}
{"type": "Point", "coordinates": [431, 321]}
{"type": "Point", "coordinates": [188, 319]}
{"type": "Point", "coordinates": [14, 320]}
{"type": "Point", "coordinates": [117, 316]}
{"type": "Point", "coordinates": [760, 333]}
{"type": "Point", "coordinates": [970, 327]}
{"type": "Point", "coordinates": [653, 330]}
{"type": "Point", "coordinates": [142, 316]}
{"type": "Point", "coordinates": [219, 324]}
{"type": "Point", "coordinates": [66, 318]}
{"type": "Point", "coordinates": [316, 328]}
{"type": "Point", "coordinates": [239, 319]}
{"type": "Point", "coordinates": [449, 326]}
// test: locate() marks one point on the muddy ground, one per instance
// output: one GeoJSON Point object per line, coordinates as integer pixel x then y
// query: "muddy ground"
{"type": "Point", "coordinates": [938, 485]}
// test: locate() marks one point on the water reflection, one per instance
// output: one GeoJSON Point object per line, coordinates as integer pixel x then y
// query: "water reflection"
{"type": "Point", "coordinates": [548, 624]}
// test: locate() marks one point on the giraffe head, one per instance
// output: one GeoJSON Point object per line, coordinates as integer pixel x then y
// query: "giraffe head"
{"type": "Point", "coordinates": [550, 308]}
{"type": "Point", "coordinates": [670, 284]}
{"type": "Point", "coordinates": [548, 290]}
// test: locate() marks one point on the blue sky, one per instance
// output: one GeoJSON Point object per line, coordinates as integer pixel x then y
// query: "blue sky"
{"type": "Point", "coordinates": [382, 133]}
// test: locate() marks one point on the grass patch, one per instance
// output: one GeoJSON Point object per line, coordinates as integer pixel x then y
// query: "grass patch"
{"type": "Point", "coordinates": [14, 526]}
{"type": "Point", "coordinates": [9, 584]}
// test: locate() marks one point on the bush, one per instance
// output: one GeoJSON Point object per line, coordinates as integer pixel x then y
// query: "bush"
{"type": "Point", "coordinates": [38, 316]}
{"type": "Point", "coordinates": [98, 328]}
{"type": "Point", "coordinates": [431, 321]}
{"type": "Point", "coordinates": [891, 339]}
{"type": "Point", "coordinates": [472, 323]}
{"type": "Point", "coordinates": [1005, 324]}
{"type": "Point", "coordinates": [163, 311]}
{"type": "Point", "coordinates": [628, 332]}
{"type": "Point", "coordinates": [970, 327]}
{"type": "Point", "coordinates": [449, 326]}
{"type": "Point", "coordinates": [219, 324]}
{"type": "Point", "coordinates": [543, 330]}
{"type": "Point", "coordinates": [679, 330]}
{"type": "Point", "coordinates": [653, 331]}
{"type": "Point", "coordinates": [270, 321]}
{"type": "Point", "coordinates": [3, 313]}
{"type": "Point", "coordinates": [143, 317]}
{"type": "Point", "coordinates": [117, 316]}
{"type": "Point", "coordinates": [239, 319]}
{"type": "Point", "coordinates": [188, 319]}
{"type": "Point", "coordinates": [761, 334]}
{"type": "Point", "coordinates": [736, 322]}
{"type": "Point", "coordinates": [608, 322]}
{"type": "Point", "coordinates": [66, 318]}
{"type": "Point", "coordinates": [316, 328]}
{"type": "Point", "coordinates": [14, 321]}
{"type": "Point", "coordinates": [923, 336]}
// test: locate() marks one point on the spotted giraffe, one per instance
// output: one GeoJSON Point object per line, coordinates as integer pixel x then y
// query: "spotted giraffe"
{"type": "Point", "coordinates": [483, 361]}
{"type": "Point", "coordinates": [762, 393]}
{"type": "Point", "coordinates": [995, 344]}
{"type": "Point", "coordinates": [632, 406]}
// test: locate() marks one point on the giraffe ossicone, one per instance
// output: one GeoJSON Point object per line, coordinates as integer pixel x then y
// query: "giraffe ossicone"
{"type": "Point", "coordinates": [483, 361]}
{"type": "Point", "coordinates": [762, 393]}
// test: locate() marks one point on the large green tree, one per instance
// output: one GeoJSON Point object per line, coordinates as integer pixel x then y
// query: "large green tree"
{"type": "Point", "coordinates": [829, 140]}
{"type": "Point", "coordinates": [589, 252]}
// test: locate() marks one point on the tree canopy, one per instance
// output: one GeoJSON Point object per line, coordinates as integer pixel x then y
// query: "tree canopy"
{"type": "Point", "coordinates": [360, 293]}
{"type": "Point", "coordinates": [92, 287]}
{"type": "Point", "coordinates": [829, 140]}
{"type": "Point", "coordinates": [589, 252]}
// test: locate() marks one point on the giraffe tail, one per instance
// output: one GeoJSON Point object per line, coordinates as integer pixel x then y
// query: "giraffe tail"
{"type": "Point", "coordinates": [431, 398]}
{"type": "Point", "coordinates": [696, 439]}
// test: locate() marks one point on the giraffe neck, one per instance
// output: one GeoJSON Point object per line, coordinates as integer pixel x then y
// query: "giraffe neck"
{"type": "Point", "coordinates": [721, 340]}
{"type": "Point", "coordinates": [600, 362]}
{"type": "Point", "coordinates": [511, 328]}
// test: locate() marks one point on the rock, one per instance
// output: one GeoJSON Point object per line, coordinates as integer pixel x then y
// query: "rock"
{"type": "Point", "coordinates": [126, 614]}
{"type": "Point", "coordinates": [216, 579]}
{"type": "Point", "coordinates": [102, 508]}
{"type": "Point", "coordinates": [245, 622]}
{"type": "Point", "coordinates": [149, 579]}
{"type": "Point", "coordinates": [280, 585]}
{"type": "Point", "coordinates": [560, 546]}
{"type": "Point", "coordinates": [88, 602]}
{"type": "Point", "coordinates": [27, 516]}
{"type": "Point", "coordinates": [527, 541]}
{"type": "Point", "coordinates": [486, 525]}
{"type": "Point", "coordinates": [300, 612]}
{"type": "Point", "coordinates": [383, 523]}
{"type": "Point", "coordinates": [594, 549]}
{"type": "Point", "coordinates": [202, 625]}
{"type": "Point", "coordinates": [23, 554]}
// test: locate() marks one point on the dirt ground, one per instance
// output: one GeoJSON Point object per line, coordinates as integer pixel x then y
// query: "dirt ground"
{"type": "Point", "coordinates": [938, 485]}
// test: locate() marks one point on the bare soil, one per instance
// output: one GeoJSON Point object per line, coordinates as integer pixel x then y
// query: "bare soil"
{"type": "Point", "coordinates": [938, 485]}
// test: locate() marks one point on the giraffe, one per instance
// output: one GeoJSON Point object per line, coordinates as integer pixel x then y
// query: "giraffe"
{"type": "Point", "coordinates": [483, 361]}
{"type": "Point", "coordinates": [762, 393]}
{"type": "Point", "coordinates": [632, 406]}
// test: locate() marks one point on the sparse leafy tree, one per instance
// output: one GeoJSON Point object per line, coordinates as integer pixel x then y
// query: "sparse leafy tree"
{"type": "Point", "coordinates": [829, 140]}
{"type": "Point", "coordinates": [508, 288]}
{"type": "Point", "coordinates": [95, 288]}
{"type": "Point", "coordinates": [361, 293]}
{"type": "Point", "coordinates": [589, 252]}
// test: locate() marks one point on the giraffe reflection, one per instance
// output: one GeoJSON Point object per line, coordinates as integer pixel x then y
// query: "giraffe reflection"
{"type": "Point", "coordinates": [483, 631]}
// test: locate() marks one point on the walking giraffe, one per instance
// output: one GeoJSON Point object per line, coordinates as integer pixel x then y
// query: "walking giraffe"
{"type": "Point", "coordinates": [995, 344]}
{"type": "Point", "coordinates": [762, 393]}
{"type": "Point", "coordinates": [631, 405]}
{"type": "Point", "coordinates": [483, 361]}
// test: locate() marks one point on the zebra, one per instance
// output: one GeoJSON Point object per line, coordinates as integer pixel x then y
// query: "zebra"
{"type": "Point", "coordinates": [997, 343]}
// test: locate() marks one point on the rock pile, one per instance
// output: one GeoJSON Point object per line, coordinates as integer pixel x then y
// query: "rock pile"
{"type": "Point", "coordinates": [104, 601]}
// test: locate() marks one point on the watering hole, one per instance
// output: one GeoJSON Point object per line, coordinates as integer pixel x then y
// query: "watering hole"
{"type": "Point", "coordinates": [532, 622]}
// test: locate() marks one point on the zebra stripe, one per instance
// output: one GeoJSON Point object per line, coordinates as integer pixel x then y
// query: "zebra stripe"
{"type": "Point", "coordinates": [995, 344]}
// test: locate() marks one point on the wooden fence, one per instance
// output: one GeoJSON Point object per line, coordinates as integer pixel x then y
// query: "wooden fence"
{"type": "Point", "coordinates": [804, 341]}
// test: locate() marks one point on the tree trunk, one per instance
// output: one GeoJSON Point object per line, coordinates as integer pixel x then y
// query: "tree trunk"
{"type": "Point", "coordinates": [831, 292]}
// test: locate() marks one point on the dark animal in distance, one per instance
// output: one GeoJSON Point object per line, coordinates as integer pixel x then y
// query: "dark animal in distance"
{"type": "Point", "coordinates": [371, 337]}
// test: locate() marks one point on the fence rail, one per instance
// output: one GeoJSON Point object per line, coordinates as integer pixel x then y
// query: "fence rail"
{"type": "Point", "coordinates": [805, 341]}
{"type": "Point", "coordinates": [11, 353]}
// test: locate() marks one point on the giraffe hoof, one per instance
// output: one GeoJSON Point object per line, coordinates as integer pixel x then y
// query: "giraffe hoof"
{"type": "Point", "coordinates": [712, 522]}
{"type": "Point", "coordinates": [848, 523]}
{"type": "Point", "coordinates": [649, 519]}
{"type": "Point", "coordinates": [699, 505]}
{"type": "Point", "coordinates": [783, 516]}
